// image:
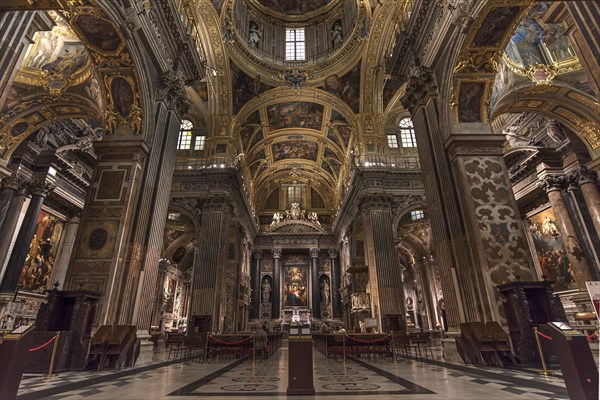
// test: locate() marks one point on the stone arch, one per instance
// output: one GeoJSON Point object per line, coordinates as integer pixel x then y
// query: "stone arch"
{"type": "Point", "coordinates": [112, 59]}
{"type": "Point", "coordinates": [572, 108]}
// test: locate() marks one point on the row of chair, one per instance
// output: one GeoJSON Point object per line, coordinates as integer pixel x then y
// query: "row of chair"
{"type": "Point", "coordinates": [113, 347]}
{"type": "Point", "coordinates": [375, 346]}
{"type": "Point", "coordinates": [480, 343]}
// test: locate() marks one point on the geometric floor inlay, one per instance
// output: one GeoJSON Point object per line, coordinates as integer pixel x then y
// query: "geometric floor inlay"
{"type": "Point", "coordinates": [269, 378]}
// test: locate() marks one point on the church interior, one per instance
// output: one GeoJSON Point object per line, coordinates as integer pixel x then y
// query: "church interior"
{"type": "Point", "coordinates": [320, 198]}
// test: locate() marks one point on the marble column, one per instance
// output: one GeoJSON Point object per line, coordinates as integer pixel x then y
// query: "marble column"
{"type": "Point", "coordinates": [449, 241]}
{"type": "Point", "coordinates": [275, 314]}
{"type": "Point", "coordinates": [582, 28]}
{"type": "Point", "coordinates": [10, 185]}
{"type": "Point", "coordinates": [588, 184]}
{"type": "Point", "coordinates": [61, 265]}
{"type": "Point", "coordinates": [208, 282]}
{"type": "Point", "coordinates": [315, 284]}
{"type": "Point", "coordinates": [8, 227]}
{"type": "Point", "coordinates": [39, 190]}
{"type": "Point", "coordinates": [255, 285]}
{"type": "Point", "coordinates": [553, 185]}
{"type": "Point", "coordinates": [385, 279]}
{"type": "Point", "coordinates": [425, 294]}
{"type": "Point", "coordinates": [336, 302]}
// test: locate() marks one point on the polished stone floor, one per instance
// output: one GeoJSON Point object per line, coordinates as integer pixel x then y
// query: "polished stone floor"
{"type": "Point", "coordinates": [267, 379]}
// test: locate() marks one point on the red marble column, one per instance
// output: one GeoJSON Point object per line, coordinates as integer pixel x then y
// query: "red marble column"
{"type": "Point", "coordinates": [581, 270]}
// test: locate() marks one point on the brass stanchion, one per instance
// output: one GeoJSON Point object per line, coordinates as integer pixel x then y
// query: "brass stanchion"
{"type": "Point", "coordinates": [253, 347]}
{"type": "Point", "coordinates": [56, 338]}
{"type": "Point", "coordinates": [539, 345]}
{"type": "Point", "coordinates": [206, 350]}
{"type": "Point", "coordinates": [394, 359]}
{"type": "Point", "coordinates": [344, 346]}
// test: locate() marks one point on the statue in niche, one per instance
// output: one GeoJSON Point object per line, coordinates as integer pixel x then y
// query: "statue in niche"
{"type": "Point", "coordinates": [325, 292]}
{"type": "Point", "coordinates": [555, 131]}
{"type": "Point", "coordinates": [337, 35]}
{"type": "Point", "coordinates": [266, 291]}
{"type": "Point", "coordinates": [314, 218]}
{"type": "Point", "coordinates": [254, 35]}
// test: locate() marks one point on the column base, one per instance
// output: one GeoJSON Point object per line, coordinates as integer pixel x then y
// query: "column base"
{"type": "Point", "coordinates": [450, 350]}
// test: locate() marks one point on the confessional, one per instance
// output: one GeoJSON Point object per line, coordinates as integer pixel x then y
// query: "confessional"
{"type": "Point", "coordinates": [528, 305]}
{"type": "Point", "coordinates": [72, 313]}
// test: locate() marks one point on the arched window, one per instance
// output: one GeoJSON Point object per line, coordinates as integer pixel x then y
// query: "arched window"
{"type": "Point", "coordinates": [184, 142]}
{"type": "Point", "coordinates": [407, 133]}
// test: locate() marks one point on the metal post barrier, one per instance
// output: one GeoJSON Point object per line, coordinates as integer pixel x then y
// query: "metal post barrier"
{"type": "Point", "coordinates": [344, 346]}
{"type": "Point", "coordinates": [57, 337]}
{"type": "Point", "coordinates": [394, 359]}
{"type": "Point", "coordinates": [253, 347]}
{"type": "Point", "coordinates": [539, 345]}
{"type": "Point", "coordinates": [206, 349]}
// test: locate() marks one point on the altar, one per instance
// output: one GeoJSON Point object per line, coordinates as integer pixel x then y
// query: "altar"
{"type": "Point", "coordinates": [302, 315]}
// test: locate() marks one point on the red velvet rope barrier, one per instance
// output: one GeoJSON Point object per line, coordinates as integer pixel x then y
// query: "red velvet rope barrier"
{"type": "Point", "coordinates": [369, 341]}
{"type": "Point", "coordinates": [231, 343]}
{"type": "Point", "coordinates": [544, 336]}
{"type": "Point", "coordinates": [44, 345]}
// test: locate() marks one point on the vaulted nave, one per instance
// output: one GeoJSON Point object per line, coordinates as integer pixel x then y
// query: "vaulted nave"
{"type": "Point", "coordinates": [386, 198]}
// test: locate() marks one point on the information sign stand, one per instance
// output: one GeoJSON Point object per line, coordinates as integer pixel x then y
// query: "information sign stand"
{"type": "Point", "coordinates": [300, 375]}
{"type": "Point", "coordinates": [576, 361]}
{"type": "Point", "coordinates": [15, 355]}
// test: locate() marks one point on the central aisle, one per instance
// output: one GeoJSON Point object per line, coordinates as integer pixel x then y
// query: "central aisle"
{"type": "Point", "coordinates": [270, 377]}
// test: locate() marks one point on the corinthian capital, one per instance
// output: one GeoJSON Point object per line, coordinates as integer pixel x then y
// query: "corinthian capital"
{"type": "Point", "coordinates": [553, 182]}
{"type": "Point", "coordinates": [171, 91]}
{"type": "Point", "coordinates": [276, 253]}
{"type": "Point", "coordinates": [314, 253]}
{"type": "Point", "coordinates": [584, 175]}
{"type": "Point", "coordinates": [42, 187]}
{"type": "Point", "coordinates": [421, 86]}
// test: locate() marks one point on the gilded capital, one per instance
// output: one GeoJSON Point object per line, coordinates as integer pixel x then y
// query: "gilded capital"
{"type": "Point", "coordinates": [276, 253]}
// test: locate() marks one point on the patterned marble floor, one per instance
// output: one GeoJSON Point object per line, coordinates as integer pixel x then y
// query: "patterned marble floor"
{"type": "Point", "coordinates": [333, 379]}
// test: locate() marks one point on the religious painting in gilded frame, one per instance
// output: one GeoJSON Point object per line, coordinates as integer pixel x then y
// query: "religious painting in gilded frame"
{"type": "Point", "coordinates": [295, 287]}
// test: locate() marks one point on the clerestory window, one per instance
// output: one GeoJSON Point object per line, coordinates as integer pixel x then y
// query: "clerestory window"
{"type": "Point", "coordinates": [295, 44]}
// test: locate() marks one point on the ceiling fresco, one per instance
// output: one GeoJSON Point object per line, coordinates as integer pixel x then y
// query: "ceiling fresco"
{"type": "Point", "coordinates": [346, 88]}
{"type": "Point", "coordinates": [245, 87]}
{"type": "Point", "coordinates": [297, 147]}
{"type": "Point", "coordinates": [294, 7]}
{"type": "Point", "coordinates": [494, 26]}
{"type": "Point", "coordinates": [295, 115]}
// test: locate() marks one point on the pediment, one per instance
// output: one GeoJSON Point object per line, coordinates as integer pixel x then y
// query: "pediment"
{"type": "Point", "coordinates": [296, 227]}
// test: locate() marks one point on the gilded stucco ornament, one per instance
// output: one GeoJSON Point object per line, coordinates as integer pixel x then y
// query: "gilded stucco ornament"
{"type": "Point", "coordinates": [589, 130]}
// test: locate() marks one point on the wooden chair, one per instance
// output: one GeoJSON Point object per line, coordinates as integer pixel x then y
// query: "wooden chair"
{"type": "Point", "coordinates": [501, 344]}
{"type": "Point", "coordinates": [98, 346]}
